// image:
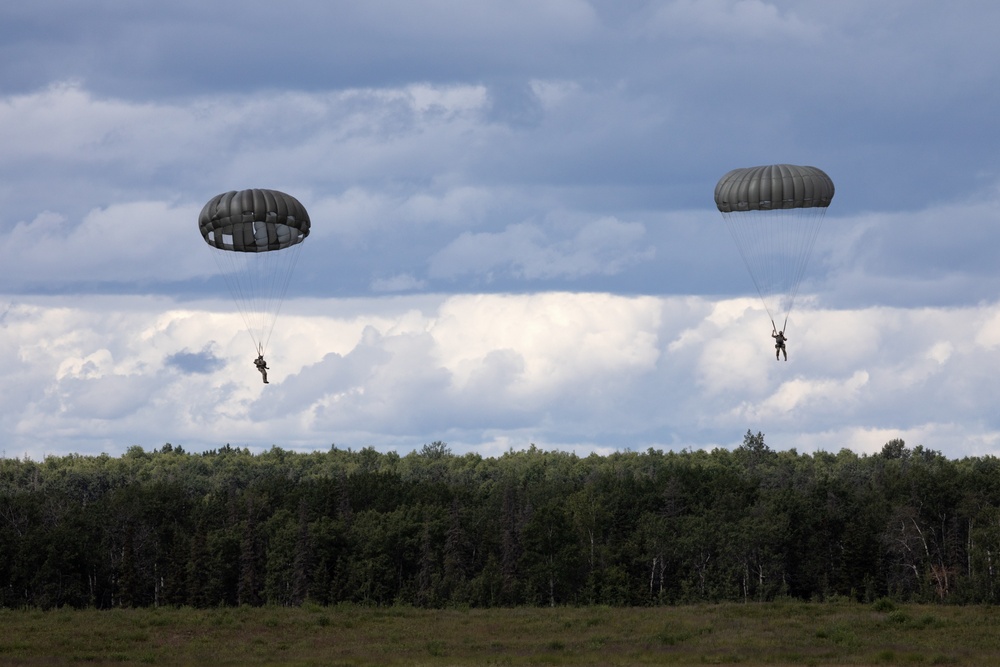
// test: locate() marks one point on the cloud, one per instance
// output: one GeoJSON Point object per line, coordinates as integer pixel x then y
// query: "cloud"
{"type": "Point", "coordinates": [561, 337]}
{"type": "Point", "coordinates": [108, 397]}
{"type": "Point", "coordinates": [526, 189]}
{"type": "Point", "coordinates": [402, 282]}
{"type": "Point", "coordinates": [793, 396]}
{"type": "Point", "coordinates": [384, 43]}
{"type": "Point", "coordinates": [605, 246]}
{"type": "Point", "coordinates": [750, 20]}
{"type": "Point", "coordinates": [515, 104]}
{"type": "Point", "coordinates": [416, 187]}
{"type": "Point", "coordinates": [339, 137]}
{"type": "Point", "coordinates": [138, 241]}
{"type": "Point", "coordinates": [196, 363]}
{"type": "Point", "coordinates": [586, 372]}
{"type": "Point", "coordinates": [933, 253]}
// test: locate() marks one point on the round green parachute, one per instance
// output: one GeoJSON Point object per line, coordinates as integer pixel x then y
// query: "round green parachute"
{"type": "Point", "coordinates": [774, 214]}
{"type": "Point", "coordinates": [255, 237]}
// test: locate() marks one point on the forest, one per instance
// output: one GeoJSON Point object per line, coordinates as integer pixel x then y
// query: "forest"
{"type": "Point", "coordinates": [432, 528]}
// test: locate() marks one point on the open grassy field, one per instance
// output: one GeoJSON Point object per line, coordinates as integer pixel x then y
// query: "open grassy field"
{"type": "Point", "coordinates": [781, 633]}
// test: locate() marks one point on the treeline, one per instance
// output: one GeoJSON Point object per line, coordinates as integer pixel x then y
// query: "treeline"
{"type": "Point", "coordinates": [227, 527]}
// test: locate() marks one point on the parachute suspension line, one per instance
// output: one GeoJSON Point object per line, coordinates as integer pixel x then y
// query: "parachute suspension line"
{"type": "Point", "coordinates": [748, 237]}
{"type": "Point", "coordinates": [258, 282]}
{"type": "Point", "coordinates": [811, 221]}
{"type": "Point", "coordinates": [281, 279]}
{"type": "Point", "coordinates": [232, 266]}
{"type": "Point", "coordinates": [775, 246]}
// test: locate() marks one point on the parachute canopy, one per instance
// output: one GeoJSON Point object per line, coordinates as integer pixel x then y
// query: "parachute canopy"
{"type": "Point", "coordinates": [776, 186]}
{"type": "Point", "coordinates": [774, 214]}
{"type": "Point", "coordinates": [253, 221]}
{"type": "Point", "coordinates": [255, 237]}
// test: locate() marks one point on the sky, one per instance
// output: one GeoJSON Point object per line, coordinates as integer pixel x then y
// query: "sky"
{"type": "Point", "coordinates": [514, 238]}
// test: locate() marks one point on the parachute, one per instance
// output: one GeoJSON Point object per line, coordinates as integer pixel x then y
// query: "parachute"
{"type": "Point", "coordinates": [255, 236]}
{"type": "Point", "coordinates": [774, 214]}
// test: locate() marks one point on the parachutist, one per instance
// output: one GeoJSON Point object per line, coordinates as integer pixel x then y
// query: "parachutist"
{"type": "Point", "coordinates": [261, 366]}
{"type": "Point", "coordinates": [779, 344]}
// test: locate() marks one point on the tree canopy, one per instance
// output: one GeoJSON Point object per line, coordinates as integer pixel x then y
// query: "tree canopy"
{"type": "Point", "coordinates": [434, 528]}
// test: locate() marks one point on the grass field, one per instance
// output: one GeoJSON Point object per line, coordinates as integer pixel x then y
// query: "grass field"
{"type": "Point", "coordinates": [781, 633]}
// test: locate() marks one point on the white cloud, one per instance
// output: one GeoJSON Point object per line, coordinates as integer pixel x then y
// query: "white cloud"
{"type": "Point", "coordinates": [987, 334]}
{"type": "Point", "coordinates": [585, 372]}
{"type": "Point", "coordinates": [799, 394]}
{"type": "Point", "coordinates": [122, 243]}
{"type": "Point", "coordinates": [559, 339]}
{"type": "Point", "coordinates": [67, 122]}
